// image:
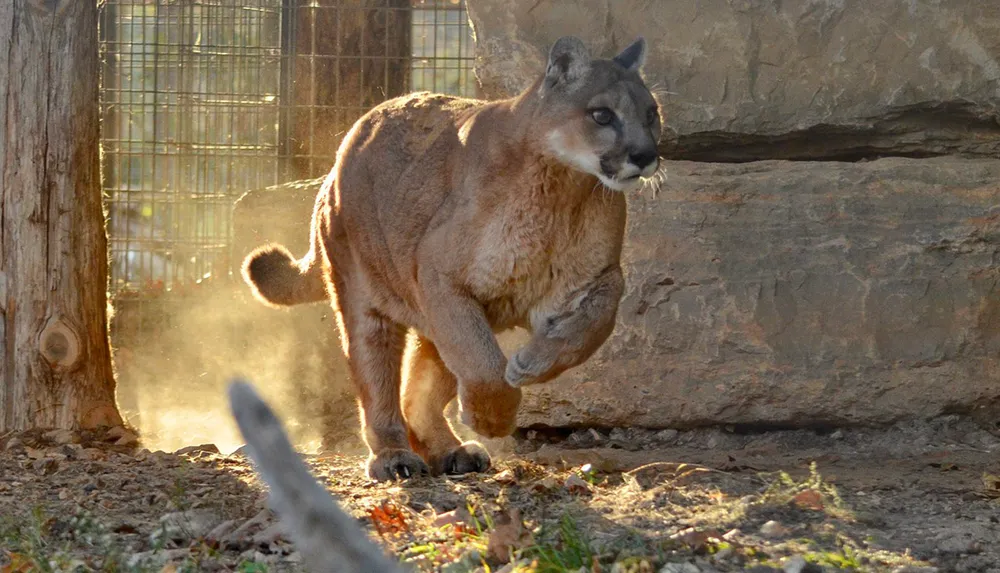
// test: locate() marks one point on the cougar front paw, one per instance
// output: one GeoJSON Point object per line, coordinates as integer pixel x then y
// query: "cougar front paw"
{"type": "Point", "coordinates": [396, 464]}
{"type": "Point", "coordinates": [466, 458]}
{"type": "Point", "coordinates": [532, 366]}
{"type": "Point", "coordinates": [522, 371]}
{"type": "Point", "coordinates": [490, 409]}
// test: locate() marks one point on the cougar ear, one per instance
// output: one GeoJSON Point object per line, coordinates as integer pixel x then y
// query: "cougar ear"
{"type": "Point", "coordinates": [633, 56]}
{"type": "Point", "coordinates": [568, 60]}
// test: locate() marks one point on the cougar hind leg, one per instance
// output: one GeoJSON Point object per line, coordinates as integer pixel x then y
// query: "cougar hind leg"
{"type": "Point", "coordinates": [374, 348]}
{"type": "Point", "coordinates": [428, 387]}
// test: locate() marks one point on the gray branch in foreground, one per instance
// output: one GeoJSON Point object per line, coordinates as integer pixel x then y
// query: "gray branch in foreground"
{"type": "Point", "coordinates": [328, 538]}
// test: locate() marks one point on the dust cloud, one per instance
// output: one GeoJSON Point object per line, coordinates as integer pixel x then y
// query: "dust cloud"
{"type": "Point", "coordinates": [175, 353]}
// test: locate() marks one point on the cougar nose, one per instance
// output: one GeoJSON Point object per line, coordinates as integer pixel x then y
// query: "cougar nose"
{"type": "Point", "coordinates": [643, 158]}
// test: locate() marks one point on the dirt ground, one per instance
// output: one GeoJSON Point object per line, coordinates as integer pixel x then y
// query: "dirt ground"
{"type": "Point", "coordinates": [913, 497]}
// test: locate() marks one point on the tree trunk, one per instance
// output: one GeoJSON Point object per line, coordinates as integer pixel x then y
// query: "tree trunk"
{"type": "Point", "coordinates": [56, 368]}
{"type": "Point", "coordinates": [350, 55]}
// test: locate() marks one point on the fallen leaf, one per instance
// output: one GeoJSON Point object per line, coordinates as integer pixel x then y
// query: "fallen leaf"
{"type": "Point", "coordinates": [508, 535]}
{"type": "Point", "coordinates": [388, 518]}
{"type": "Point", "coordinates": [18, 564]}
{"type": "Point", "coordinates": [809, 499]}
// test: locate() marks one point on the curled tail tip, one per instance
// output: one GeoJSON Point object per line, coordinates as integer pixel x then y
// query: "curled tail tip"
{"type": "Point", "coordinates": [264, 261]}
{"type": "Point", "coordinates": [273, 275]}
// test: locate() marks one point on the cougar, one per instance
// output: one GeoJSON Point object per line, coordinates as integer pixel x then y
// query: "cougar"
{"type": "Point", "coordinates": [445, 220]}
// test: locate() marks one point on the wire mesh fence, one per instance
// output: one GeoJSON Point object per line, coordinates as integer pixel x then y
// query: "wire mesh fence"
{"type": "Point", "coordinates": [203, 100]}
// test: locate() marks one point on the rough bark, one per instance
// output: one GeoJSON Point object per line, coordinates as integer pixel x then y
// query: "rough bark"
{"type": "Point", "coordinates": [56, 369]}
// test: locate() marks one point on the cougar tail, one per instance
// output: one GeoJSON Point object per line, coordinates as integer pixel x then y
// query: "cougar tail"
{"type": "Point", "coordinates": [328, 538]}
{"type": "Point", "coordinates": [277, 279]}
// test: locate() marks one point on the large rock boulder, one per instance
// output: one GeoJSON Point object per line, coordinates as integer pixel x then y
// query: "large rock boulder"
{"type": "Point", "coordinates": [799, 293]}
{"type": "Point", "coordinates": [751, 79]}
{"type": "Point", "coordinates": [771, 293]}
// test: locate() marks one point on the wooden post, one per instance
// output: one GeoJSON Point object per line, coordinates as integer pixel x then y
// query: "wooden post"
{"type": "Point", "coordinates": [350, 56]}
{"type": "Point", "coordinates": [56, 369]}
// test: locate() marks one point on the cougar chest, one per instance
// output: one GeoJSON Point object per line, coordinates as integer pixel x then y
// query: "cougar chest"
{"type": "Point", "coordinates": [522, 257]}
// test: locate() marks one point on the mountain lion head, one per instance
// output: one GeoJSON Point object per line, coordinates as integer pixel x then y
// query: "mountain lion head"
{"type": "Point", "coordinates": [600, 116]}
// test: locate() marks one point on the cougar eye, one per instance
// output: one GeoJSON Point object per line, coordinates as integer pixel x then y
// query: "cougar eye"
{"type": "Point", "coordinates": [602, 116]}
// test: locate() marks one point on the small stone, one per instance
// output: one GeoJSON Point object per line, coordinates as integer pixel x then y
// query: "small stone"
{"type": "Point", "coordinates": [14, 446]}
{"type": "Point", "coordinates": [577, 485]}
{"type": "Point", "coordinates": [618, 435]}
{"type": "Point", "coordinates": [579, 438]}
{"type": "Point", "coordinates": [796, 564]}
{"type": "Point", "coordinates": [115, 433]}
{"type": "Point", "coordinates": [680, 568]}
{"type": "Point", "coordinates": [667, 435]}
{"type": "Point", "coordinates": [773, 529]}
{"type": "Point", "coordinates": [158, 557]}
{"type": "Point", "coordinates": [127, 439]}
{"type": "Point", "coordinates": [295, 557]}
{"type": "Point", "coordinates": [45, 466]}
{"type": "Point", "coordinates": [269, 535]}
{"type": "Point", "coordinates": [237, 534]}
{"type": "Point", "coordinates": [545, 484]}
{"type": "Point", "coordinates": [203, 448]}
{"type": "Point", "coordinates": [837, 435]}
{"type": "Point", "coordinates": [71, 451]}
{"type": "Point", "coordinates": [191, 524]}
{"type": "Point", "coordinates": [62, 436]}
{"type": "Point", "coordinates": [598, 437]}
{"type": "Point", "coordinates": [956, 544]}
{"type": "Point", "coordinates": [64, 493]}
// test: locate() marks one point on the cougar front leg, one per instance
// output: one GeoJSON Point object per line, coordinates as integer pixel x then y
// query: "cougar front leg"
{"type": "Point", "coordinates": [428, 386]}
{"type": "Point", "coordinates": [570, 333]}
{"type": "Point", "coordinates": [468, 348]}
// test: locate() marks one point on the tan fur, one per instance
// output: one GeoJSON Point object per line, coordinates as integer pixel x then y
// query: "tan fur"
{"type": "Point", "coordinates": [457, 218]}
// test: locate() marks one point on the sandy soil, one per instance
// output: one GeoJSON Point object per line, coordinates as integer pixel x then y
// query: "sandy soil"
{"type": "Point", "coordinates": [917, 497]}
